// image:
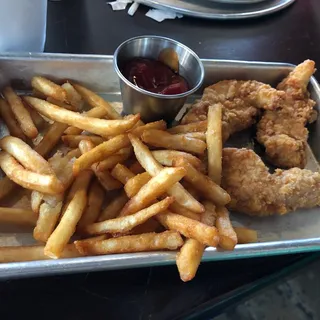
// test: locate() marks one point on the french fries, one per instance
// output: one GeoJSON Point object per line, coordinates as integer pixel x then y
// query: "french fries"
{"type": "Point", "coordinates": [228, 237]}
{"type": "Point", "coordinates": [94, 205]}
{"type": "Point", "coordinates": [18, 216]}
{"type": "Point", "coordinates": [189, 258]}
{"type": "Point", "coordinates": [246, 235]}
{"type": "Point", "coordinates": [113, 209]}
{"type": "Point", "coordinates": [28, 179]}
{"type": "Point", "coordinates": [122, 173]}
{"type": "Point", "coordinates": [51, 138]}
{"type": "Point", "coordinates": [96, 101]}
{"type": "Point", "coordinates": [190, 228]}
{"type": "Point", "coordinates": [125, 224]}
{"type": "Point", "coordinates": [147, 191]}
{"type": "Point", "coordinates": [134, 184]}
{"type": "Point", "coordinates": [9, 119]}
{"type": "Point", "coordinates": [104, 177]}
{"type": "Point", "coordinates": [101, 127]}
{"type": "Point", "coordinates": [67, 226]}
{"type": "Point", "coordinates": [73, 141]}
{"type": "Point", "coordinates": [163, 139]}
{"type": "Point", "coordinates": [73, 97]}
{"type": "Point", "coordinates": [214, 142]}
{"type": "Point", "coordinates": [98, 112]}
{"type": "Point", "coordinates": [134, 243]}
{"type": "Point", "coordinates": [23, 153]}
{"type": "Point", "coordinates": [159, 125]}
{"type": "Point", "coordinates": [49, 88]}
{"type": "Point", "coordinates": [114, 159]}
{"type": "Point", "coordinates": [166, 157]}
{"type": "Point", "coordinates": [147, 161]}
{"type": "Point", "coordinates": [204, 184]}
{"type": "Point", "coordinates": [100, 152]}
{"type": "Point", "coordinates": [20, 112]}
{"type": "Point", "coordinates": [156, 186]}
{"type": "Point", "coordinates": [200, 126]}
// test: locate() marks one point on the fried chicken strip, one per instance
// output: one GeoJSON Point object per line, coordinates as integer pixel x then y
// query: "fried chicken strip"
{"type": "Point", "coordinates": [255, 191]}
{"type": "Point", "coordinates": [282, 131]}
{"type": "Point", "coordinates": [241, 100]}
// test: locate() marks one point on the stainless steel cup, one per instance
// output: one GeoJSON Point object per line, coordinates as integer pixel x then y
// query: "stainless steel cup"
{"type": "Point", "coordinates": [154, 106]}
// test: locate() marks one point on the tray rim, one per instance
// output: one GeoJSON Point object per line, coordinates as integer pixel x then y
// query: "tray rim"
{"type": "Point", "coordinates": [147, 259]}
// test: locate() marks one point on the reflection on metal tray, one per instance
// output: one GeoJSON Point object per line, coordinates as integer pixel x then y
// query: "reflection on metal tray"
{"type": "Point", "coordinates": [238, 1]}
{"type": "Point", "coordinates": [292, 233]}
{"type": "Point", "coordinates": [222, 11]}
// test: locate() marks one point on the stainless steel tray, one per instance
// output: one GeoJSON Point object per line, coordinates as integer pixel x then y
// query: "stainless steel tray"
{"type": "Point", "coordinates": [296, 232]}
{"type": "Point", "coordinates": [221, 11]}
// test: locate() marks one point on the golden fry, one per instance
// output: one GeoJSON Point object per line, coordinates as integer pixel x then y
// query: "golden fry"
{"type": "Point", "coordinates": [73, 97]}
{"type": "Point", "coordinates": [122, 173]}
{"type": "Point", "coordinates": [136, 243]}
{"type": "Point", "coordinates": [75, 153]}
{"type": "Point", "coordinates": [156, 187]}
{"type": "Point", "coordinates": [27, 179]}
{"type": "Point", "coordinates": [193, 135]}
{"type": "Point", "coordinates": [114, 208]}
{"type": "Point", "coordinates": [166, 157]}
{"type": "Point", "coordinates": [106, 180]}
{"type": "Point", "coordinates": [179, 209]}
{"type": "Point", "coordinates": [36, 200]}
{"type": "Point", "coordinates": [67, 225]}
{"type": "Point", "coordinates": [200, 126]}
{"type": "Point", "coordinates": [159, 125]}
{"type": "Point", "coordinates": [189, 258]}
{"type": "Point", "coordinates": [61, 104]}
{"type": "Point", "coordinates": [163, 139]}
{"type": "Point", "coordinates": [95, 201]}
{"type": "Point", "coordinates": [20, 112]}
{"type": "Point", "coordinates": [17, 216]}
{"type": "Point", "coordinates": [33, 253]}
{"type": "Point", "coordinates": [38, 121]}
{"type": "Point", "coordinates": [134, 184]}
{"type": "Point", "coordinates": [73, 141]}
{"type": "Point", "coordinates": [47, 220]}
{"type": "Point", "coordinates": [246, 235]}
{"type": "Point", "coordinates": [51, 138]}
{"type": "Point", "coordinates": [98, 112]}
{"type": "Point", "coordinates": [49, 88]}
{"type": "Point", "coordinates": [228, 237]}
{"type": "Point", "coordinates": [214, 142]}
{"type": "Point", "coordinates": [101, 127]}
{"type": "Point", "coordinates": [153, 167]}
{"type": "Point", "coordinates": [190, 228]}
{"type": "Point", "coordinates": [9, 119]}
{"type": "Point", "coordinates": [204, 184]}
{"type": "Point", "coordinates": [124, 224]}
{"type": "Point", "coordinates": [100, 152]}
{"type": "Point", "coordinates": [96, 101]}
{"type": "Point", "coordinates": [209, 216]}
{"type": "Point", "coordinates": [24, 154]}
{"type": "Point", "coordinates": [114, 159]}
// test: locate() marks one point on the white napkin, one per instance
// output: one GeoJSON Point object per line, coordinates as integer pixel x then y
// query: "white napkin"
{"type": "Point", "coordinates": [155, 14]}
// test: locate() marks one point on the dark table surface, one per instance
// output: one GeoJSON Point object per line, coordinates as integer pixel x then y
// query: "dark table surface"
{"type": "Point", "coordinates": [85, 26]}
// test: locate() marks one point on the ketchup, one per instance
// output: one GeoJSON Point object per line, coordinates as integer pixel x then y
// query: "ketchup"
{"type": "Point", "coordinates": [154, 76]}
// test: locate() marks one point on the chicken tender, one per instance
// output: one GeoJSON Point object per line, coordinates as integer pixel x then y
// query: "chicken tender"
{"type": "Point", "coordinates": [282, 131]}
{"type": "Point", "coordinates": [255, 191]}
{"type": "Point", "coordinates": [241, 100]}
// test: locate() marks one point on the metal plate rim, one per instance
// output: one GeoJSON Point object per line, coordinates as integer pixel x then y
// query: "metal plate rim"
{"type": "Point", "coordinates": [158, 4]}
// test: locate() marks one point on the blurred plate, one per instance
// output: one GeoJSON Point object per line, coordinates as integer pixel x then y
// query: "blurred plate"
{"type": "Point", "coordinates": [209, 10]}
{"type": "Point", "coordinates": [238, 1]}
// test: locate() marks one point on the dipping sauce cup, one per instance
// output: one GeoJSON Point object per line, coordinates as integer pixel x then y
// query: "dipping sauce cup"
{"type": "Point", "coordinates": [155, 106]}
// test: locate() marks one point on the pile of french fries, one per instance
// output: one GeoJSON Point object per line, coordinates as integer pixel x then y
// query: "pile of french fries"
{"type": "Point", "coordinates": [113, 183]}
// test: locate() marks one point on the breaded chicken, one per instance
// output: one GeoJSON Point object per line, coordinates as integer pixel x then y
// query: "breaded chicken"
{"type": "Point", "coordinates": [255, 191]}
{"type": "Point", "coordinates": [241, 100]}
{"type": "Point", "coordinates": [282, 131]}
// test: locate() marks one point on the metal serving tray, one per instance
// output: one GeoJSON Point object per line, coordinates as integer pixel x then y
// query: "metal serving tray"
{"type": "Point", "coordinates": [295, 232]}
